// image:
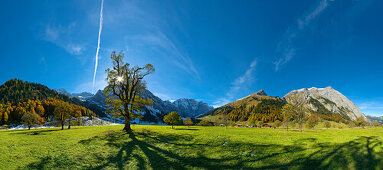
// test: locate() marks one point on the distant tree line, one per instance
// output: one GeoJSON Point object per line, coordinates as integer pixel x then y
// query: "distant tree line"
{"type": "Point", "coordinates": [50, 109]}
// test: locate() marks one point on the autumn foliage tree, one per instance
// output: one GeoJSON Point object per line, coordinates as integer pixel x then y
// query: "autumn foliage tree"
{"type": "Point", "coordinates": [172, 118]}
{"type": "Point", "coordinates": [299, 110]}
{"type": "Point", "coordinates": [311, 122]}
{"type": "Point", "coordinates": [61, 113]}
{"type": "Point", "coordinates": [360, 121]}
{"type": "Point", "coordinates": [288, 110]}
{"type": "Point", "coordinates": [327, 124]}
{"type": "Point", "coordinates": [125, 83]}
{"type": "Point", "coordinates": [30, 119]}
{"type": "Point", "coordinates": [188, 121]}
{"type": "Point", "coordinates": [277, 123]}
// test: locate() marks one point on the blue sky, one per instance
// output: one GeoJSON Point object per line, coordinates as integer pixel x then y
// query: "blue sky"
{"type": "Point", "coordinates": [215, 51]}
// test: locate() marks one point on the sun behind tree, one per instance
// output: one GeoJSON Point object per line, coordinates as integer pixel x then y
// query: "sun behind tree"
{"type": "Point", "coordinates": [125, 83]}
{"type": "Point", "coordinates": [172, 118]}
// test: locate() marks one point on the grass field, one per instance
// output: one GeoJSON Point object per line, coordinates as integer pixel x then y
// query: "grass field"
{"type": "Point", "coordinates": [159, 147]}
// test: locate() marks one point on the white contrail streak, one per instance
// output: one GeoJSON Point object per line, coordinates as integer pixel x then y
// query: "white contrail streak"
{"type": "Point", "coordinates": [98, 45]}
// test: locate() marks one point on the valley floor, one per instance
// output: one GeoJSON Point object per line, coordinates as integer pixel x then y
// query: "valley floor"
{"type": "Point", "coordinates": [160, 147]}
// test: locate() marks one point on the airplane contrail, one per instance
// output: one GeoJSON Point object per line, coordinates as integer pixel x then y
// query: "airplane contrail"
{"type": "Point", "coordinates": [98, 45]}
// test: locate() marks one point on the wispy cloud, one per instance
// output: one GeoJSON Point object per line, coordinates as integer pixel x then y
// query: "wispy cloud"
{"type": "Point", "coordinates": [374, 107]}
{"type": "Point", "coordinates": [286, 48]}
{"type": "Point", "coordinates": [238, 84]}
{"type": "Point", "coordinates": [98, 45]}
{"type": "Point", "coordinates": [161, 41]}
{"type": "Point", "coordinates": [151, 31]}
{"type": "Point", "coordinates": [60, 35]}
{"type": "Point", "coordinates": [371, 105]}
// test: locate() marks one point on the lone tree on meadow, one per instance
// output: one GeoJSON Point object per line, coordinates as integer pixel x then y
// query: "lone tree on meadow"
{"type": "Point", "coordinates": [311, 122]}
{"type": "Point", "coordinates": [204, 122]}
{"type": "Point", "coordinates": [125, 83]}
{"type": "Point", "coordinates": [30, 119]}
{"type": "Point", "coordinates": [327, 124]}
{"type": "Point", "coordinates": [299, 110]}
{"type": "Point", "coordinates": [61, 113]}
{"type": "Point", "coordinates": [288, 110]}
{"type": "Point", "coordinates": [188, 121]}
{"type": "Point", "coordinates": [360, 121]}
{"type": "Point", "coordinates": [172, 118]}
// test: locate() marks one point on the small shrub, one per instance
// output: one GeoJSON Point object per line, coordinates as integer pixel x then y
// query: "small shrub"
{"type": "Point", "coordinates": [277, 123]}
{"type": "Point", "coordinates": [4, 127]}
{"type": "Point", "coordinates": [327, 124]}
{"type": "Point", "coordinates": [204, 122]}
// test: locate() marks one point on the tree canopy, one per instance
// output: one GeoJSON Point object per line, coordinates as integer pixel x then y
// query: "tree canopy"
{"type": "Point", "coordinates": [125, 83]}
{"type": "Point", "coordinates": [172, 118]}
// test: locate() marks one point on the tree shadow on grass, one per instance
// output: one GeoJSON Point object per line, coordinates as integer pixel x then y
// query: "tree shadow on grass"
{"type": "Point", "coordinates": [150, 150]}
{"type": "Point", "coordinates": [356, 154]}
{"type": "Point", "coordinates": [186, 129]}
{"type": "Point", "coordinates": [34, 132]}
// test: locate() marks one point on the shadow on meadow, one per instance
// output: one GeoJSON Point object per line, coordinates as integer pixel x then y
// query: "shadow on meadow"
{"type": "Point", "coordinates": [149, 149]}
{"type": "Point", "coordinates": [34, 132]}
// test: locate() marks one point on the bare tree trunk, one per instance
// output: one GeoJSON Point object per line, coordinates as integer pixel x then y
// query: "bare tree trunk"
{"type": "Point", "coordinates": [29, 127]}
{"type": "Point", "coordinates": [62, 125]}
{"type": "Point", "coordinates": [300, 127]}
{"type": "Point", "coordinates": [127, 128]}
{"type": "Point", "coordinates": [69, 124]}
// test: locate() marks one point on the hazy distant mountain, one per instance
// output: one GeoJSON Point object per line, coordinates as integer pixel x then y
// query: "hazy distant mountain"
{"type": "Point", "coordinates": [265, 108]}
{"type": "Point", "coordinates": [82, 96]}
{"type": "Point", "coordinates": [377, 118]}
{"type": "Point", "coordinates": [327, 101]}
{"type": "Point", "coordinates": [64, 92]}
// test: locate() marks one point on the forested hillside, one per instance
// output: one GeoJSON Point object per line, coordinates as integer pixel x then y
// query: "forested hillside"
{"type": "Point", "coordinates": [14, 91]}
{"type": "Point", "coordinates": [263, 107]}
{"type": "Point", "coordinates": [19, 98]}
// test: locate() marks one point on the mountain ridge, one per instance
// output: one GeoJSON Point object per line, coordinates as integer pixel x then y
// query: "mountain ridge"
{"type": "Point", "coordinates": [327, 101]}
{"type": "Point", "coordinates": [264, 108]}
{"type": "Point", "coordinates": [185, 107]}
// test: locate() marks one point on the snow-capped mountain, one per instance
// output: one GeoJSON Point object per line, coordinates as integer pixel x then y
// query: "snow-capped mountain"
{"type": "Point", "coordinates": [82, 96]}
{"type": "Point", "coordinates": [191, 107]}
{"type": "Point", "coordinates": [154, 113]}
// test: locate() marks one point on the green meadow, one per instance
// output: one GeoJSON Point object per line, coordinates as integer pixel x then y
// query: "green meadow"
{"type": "Point", "coordinates": [160, 147]}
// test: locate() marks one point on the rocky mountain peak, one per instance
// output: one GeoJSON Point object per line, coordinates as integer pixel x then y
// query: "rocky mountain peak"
{"type": "Point", "coordinates": [261, 93]}
{"type": "Point", "coordinates": [327, 100]}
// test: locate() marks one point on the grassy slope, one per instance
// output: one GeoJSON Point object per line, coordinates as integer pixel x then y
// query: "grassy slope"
{"type": "Point", "coordinates": [160, 147]}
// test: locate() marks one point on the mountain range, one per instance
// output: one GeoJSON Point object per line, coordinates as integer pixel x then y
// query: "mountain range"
{"type": "Point", "coordinates": [185, 107]}
{"type": "Point", "coordinates": [376, 118]}
{"type": "Point", "coordinates": [326, 103]}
